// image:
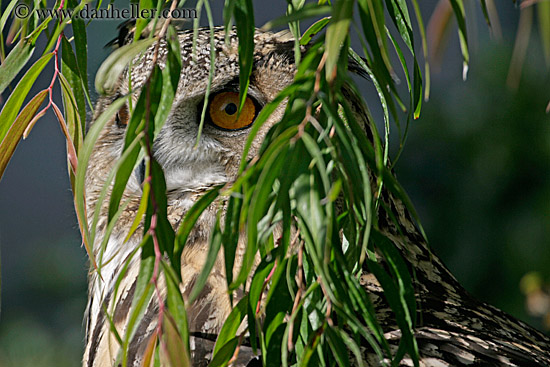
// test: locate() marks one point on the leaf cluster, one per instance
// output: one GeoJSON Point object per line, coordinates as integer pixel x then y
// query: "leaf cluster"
{"type": "Point", "coordinates": [306, 204]}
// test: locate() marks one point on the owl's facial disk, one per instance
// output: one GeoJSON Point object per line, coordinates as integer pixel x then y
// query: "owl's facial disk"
{"type": "Point", "coordinates": [193, 164]}
{"type": "Point", "coordinates": [189, 166]}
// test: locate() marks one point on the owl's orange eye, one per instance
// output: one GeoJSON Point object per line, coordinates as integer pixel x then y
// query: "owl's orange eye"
{"type": "Point", "coordinates": [223, 111]}
{"type": "Point", "coordinates": [122, 116]}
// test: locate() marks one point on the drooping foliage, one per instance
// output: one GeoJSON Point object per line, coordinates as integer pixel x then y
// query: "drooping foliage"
{"type": "Point", "coordinates": [305, 304]}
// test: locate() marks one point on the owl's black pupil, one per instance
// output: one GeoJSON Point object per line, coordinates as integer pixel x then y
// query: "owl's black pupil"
{"type": "Point", "coordinates": [230, 108]}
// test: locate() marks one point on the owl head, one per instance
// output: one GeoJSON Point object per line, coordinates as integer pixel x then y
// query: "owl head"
{"type": "Point", "coordinates": [193, 163]}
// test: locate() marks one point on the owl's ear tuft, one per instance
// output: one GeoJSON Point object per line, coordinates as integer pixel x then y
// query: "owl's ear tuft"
{"type": "Point", "coordinates": [125, 34]}
{"type": "Point", "coordinates": [127, 29]}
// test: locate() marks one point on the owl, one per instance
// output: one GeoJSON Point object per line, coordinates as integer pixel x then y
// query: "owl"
{"type": "Point", "coordinates": [189, 171]}
{"type": "Point", "coordinates": [454, 329]}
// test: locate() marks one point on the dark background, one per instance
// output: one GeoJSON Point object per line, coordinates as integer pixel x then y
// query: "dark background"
{"type": "Point", "coordinates": [476, 165]}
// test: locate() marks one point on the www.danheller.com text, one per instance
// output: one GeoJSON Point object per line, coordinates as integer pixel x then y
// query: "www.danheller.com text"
{"type": "Point", "coordinates": [23, 11]}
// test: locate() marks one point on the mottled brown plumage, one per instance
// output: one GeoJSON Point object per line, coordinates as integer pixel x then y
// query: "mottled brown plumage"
{"type": "Point", "coordinates": [189, 172]}
{"type": "Point", "coordinates": [453, 329]}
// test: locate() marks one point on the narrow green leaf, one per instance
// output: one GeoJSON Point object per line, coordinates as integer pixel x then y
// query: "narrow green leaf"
{"type": "Point", "coordinates": [313, 30]}
{"type": "Point", "coordinates": [72, 119]}
{"type": "Point", "coordinates": [337, 31]}
{"type": "Point", "coordinates": [274, 339]}
{"type": "Point", "coordinates": [402, 61]}
{"type": "Point", "coordinates": [399, 307]}
{"type": "Point", "coordinates": [158, 206]}
{"type": "Point", "coordinates": [424, 51]}
{"type": "Point", "coordinates": [273, 163]}
{"type": "Point", "coordinates": [6, 14]}
{"type": "Point", "coordinates": [417, 90]}
{"type": "Point", "coordinates": [383, 94]}
{"type": "Point", "coordinates": [228, 13]}
{"type": "Point", "coordinates": [11, 139]}
{"type": "Point", "coordinates": [170, 79]}
{"type": "Point", "coordinates": [107, 187]}
{"type": "Point", "coordinates": [191, 218]}
{"type": "Point", "coordinates": [146, 188]}
{"type": "Point", "coordinates": [212, 69]}
{"type": "Point", "coordinates": [231, 324]}
{"type": "Point", "coordinates": [146, 107]}
{"type": "Point", "coordinates": [261, 119]}
{"type": "Point", "coordinates": [109, 72]}
{"type": "Point", "coordinates": [81, 45]}
{"type": "Point", "coordinates": [377, 68]}
{"type": "Point", "coordinates": [244, 20]}
{"type": "Point", "coordinates": [278, 304]}
{"type": "Point", "coordinates": [399, 13]}
{"type": "Point", "coordinates": [54, 37]}
{"type": "Point", "coordinates": [458, 8]}
{"type": "Point", "coordinates": [375, 334]}
{"type": "Point", "coordinates": [106, 236]}
{"type": "Point", "coordinates": [71, 71]}
{"type": "Point", "coordinates": [174, 351]}
{"type": "Point", "coordinates": [142, 295]}
{"type": "Point", "coordinates": [257, 284]}
{"type": "Point", "coordinates": [211, 256]}
{"type": "Point", "coordinates": [339, 350]}
{"type": "Point", "coordinates": [141, 23]}
{"type": "Point", "coordinates": [401, 18]}
{"type": "Point", "coordinates": [14, 102]}
{"type": "Point", "coordinates": [224, 354]}
{"type": "Point", "coordinates": [83, 159]}
{"type": "Point", "coordinates": [16, 60]}
{"type": "Point", "coordinates": [485, 12]}
{"type": "Point", "coordinates": [174, 300]}
{"type": "Point", "coordinates": [375, 9]}
{"type": "Point", "coordinates": [400, 272]}
{"type": "Point", "coordinates": [231, 235]}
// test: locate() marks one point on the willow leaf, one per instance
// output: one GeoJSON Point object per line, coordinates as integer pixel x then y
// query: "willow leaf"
{"type": "Point", "coordinates": [9, 143]}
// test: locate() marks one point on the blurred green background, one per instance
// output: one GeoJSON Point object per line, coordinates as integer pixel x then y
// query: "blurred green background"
{"type": "Point", "coordinates": [476, 164]}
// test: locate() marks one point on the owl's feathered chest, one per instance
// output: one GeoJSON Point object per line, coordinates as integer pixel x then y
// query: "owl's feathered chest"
{"type": "Point", "coordinates": [113, 285]}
